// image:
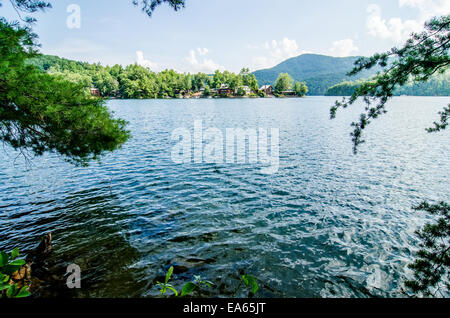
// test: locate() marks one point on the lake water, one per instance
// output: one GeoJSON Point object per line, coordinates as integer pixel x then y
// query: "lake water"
{"type": "Point", "coordinates": [327, 224]}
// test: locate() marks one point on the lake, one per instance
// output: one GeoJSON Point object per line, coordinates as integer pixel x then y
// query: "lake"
{"type": "Point", "coordinates": [328, 223]}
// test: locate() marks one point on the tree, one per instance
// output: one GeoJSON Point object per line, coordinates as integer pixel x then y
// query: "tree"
{"type": "Point", "coordinates": [148, 6]}
{"type": "Point", "coordinates": [252, 82]}
{"type": "Point", "coordinates": [249, 79]}
{"type": "Point", "coordinates": [138, 82]}
{"type": "Point", "coordinates": [187, 82]}
{"type": "Point", "coordinates": [83, 80]}
{"type": "Point", "coordinates": [283, 83]}
{"type": "Point", "coordinates": [106, 83]}
{"type": "Point", "coordinates": [433, 259]}
{"type": "Point", "coordinates": [218, 79]}
{"type": "Point", "coordinates": [234, 81]}
{"type": "Point", "coordinates": [300, 89]}
{"type": "Point", "coordinates": [207, 91]}
{"type": "Point", "coordinates": [423, 55]}
{"type": "Point", "coordinates": [43, 113]}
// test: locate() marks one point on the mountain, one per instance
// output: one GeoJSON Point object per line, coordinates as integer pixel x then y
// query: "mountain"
{"type": "Point", "coordinates": [437, 85]}
{"type": "Point", "coordinates": [320, 72]}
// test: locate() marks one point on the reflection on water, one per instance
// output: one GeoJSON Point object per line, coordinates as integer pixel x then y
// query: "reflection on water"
{"type": "Point", "coordinates": [327, 224]}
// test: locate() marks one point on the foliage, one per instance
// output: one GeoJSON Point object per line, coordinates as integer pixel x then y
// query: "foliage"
{"type": "Point", "coordinates": [283, 83]}
{"type": "Point", "coordinates": [443, 123]}
{"type": "Point", "coordinates": [28, 6]}
{"type": "Point", "coordinates": [164, 287]}
{"type": "Point", "coordinates": [9, 264]}
{"type": "Point", "coordinates": [240, 91]}
{"type": "Point", "coordinates": [148, 6]}
{"type": "Point", "coordinates": [438, 85]}
{"type": "Point", "coordinates": [320, 72]}
{"type": "Point", "coordinates": [251, 282]}
{"type": "Point", "coordinates": [249, 79]}
{"type": "Point", "coordinates": [138, 82]}
{"type": "Point", "coordinates": [43, 113]}
{"type": "Point", "coordinates": [431, 269]}
{"type": "Point", "coordinates": [207, 91]}
{"type": "Point", "coordinates": [422, 56]}
{"type": "Point", "coordinates": [300, 89]}
{"type": "Point", "coordinates": [187, 289]}
{"type": "Point", "coordinates": [196, 285]}
{"type": "Point", "coordinates": [345, 88]}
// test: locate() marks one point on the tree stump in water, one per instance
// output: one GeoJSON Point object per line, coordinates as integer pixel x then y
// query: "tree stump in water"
{"type": "Point", "coordinates": [34, 258]}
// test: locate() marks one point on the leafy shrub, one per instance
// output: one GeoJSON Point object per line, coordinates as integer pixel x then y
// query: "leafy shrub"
{"type": "Point", "coordinates": [10, 264]}
{"type": "Point", "coordinates": [198, 283]}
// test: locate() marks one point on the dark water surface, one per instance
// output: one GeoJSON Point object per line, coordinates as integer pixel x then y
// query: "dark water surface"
{"type": "Point", "coordinates": [328, 224]}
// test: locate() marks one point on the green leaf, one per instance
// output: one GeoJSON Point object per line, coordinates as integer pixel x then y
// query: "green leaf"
{"type": "Point", "coordinates": [188, 288]}
{"type": "Point", "coordinates": [172, 289]}
{"type": "Point", "coordinates": [207, 283]}
{"type": "Point", "coordinates": [4, 278]}
{"type": "Point", "coordinates": [169, 274]}
{"type": "Point", "coordinates": [251, 282]}
{"type": "Point", "coordinates": [10, 269]}
{"type": "Point", "coordinates": [23, 293]}
{"type": "Point", "coordinates": [4, 258]}
{"type": "Point", "coordinates": [4, 286]}
{"type": "Point", "coordinates": [15, 253]}
{"type": "Point", "coordinates": [18, 262]}
{"type": "Point", "coordinates": [162, 287]}
{"type": "Point", "coordinates": [12, 291]}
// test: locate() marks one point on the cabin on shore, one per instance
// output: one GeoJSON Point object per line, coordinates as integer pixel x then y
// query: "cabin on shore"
{"type": "Point", "coordinates": [95, 92]}
{"type": "Point", "coordinates": [267, 89]}
{"type": "Point", "coordinates": [247, 90]}
{"type": "Point", "coordinates": [288, 93]}
{"type": "Point", "coordinates": [225, 90]}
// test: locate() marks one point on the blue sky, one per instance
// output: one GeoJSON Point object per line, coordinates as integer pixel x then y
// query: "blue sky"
{"type": "Point", "coordinates": [218, 34]}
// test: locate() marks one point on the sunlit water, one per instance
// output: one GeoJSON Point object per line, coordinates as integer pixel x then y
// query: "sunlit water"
{"type": "Point", "coordinates": [328, 224]}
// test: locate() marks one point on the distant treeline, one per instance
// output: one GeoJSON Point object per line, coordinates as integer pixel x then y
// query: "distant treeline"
{"type": "Point", "coordinates": [135, 81]}
{"type": "Point", "coordinates": [138, 82]}
{"type": "Point", "coordinates": [439, 85]}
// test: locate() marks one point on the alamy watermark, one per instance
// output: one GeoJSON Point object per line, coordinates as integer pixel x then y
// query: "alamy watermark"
{"type": "Point", "coordinates": [74, 279]}
{"type": "Point", "coordinates": [74, 19]}
{"type": "Point", "coordinates": [236, 146]}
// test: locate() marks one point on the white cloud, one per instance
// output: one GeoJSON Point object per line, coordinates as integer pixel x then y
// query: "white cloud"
{"type": "Point", "coordinates": [205, 65]}
{"type": "Point", "coordinates": [146, 63]}
{"type": "Point", "coordinates": [343, 48]}
{"type": "Point", "coordinates": [394, 29]}
{"type": "Point", "coordinates": [276, 52]}
{"type": "Point", "coordinates": [203, 51]}
{"type": "Point", "coordinates": [428, 8]}
{"type": "Point", "coordinates": [397, 30]}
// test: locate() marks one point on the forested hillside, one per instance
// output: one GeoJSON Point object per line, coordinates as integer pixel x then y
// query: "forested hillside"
{"type": "Point", "coordinates": [437, 86]}
{"type": "Point", "coordinates": [320, 72]}
{"type": "Point", "coordinates": [324, 75]}
{"type": "Point", "coordinates": [135, 81]}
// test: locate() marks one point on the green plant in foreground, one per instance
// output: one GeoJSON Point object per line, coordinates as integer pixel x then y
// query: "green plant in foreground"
{"type": "Point", "coordinates": [164, 287]}
{"type": "Point", "coordinates": [431, 268]}
{"type": "Point", "coordinates": [197, 284]}
{"type": "Point", "coordinates": [251, 282]}
{"type": "Point", "coordinates": [9, 264]}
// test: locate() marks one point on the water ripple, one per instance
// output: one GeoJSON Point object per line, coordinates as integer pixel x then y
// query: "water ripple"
{"type": "Point", "coordinates": [328, 224]}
